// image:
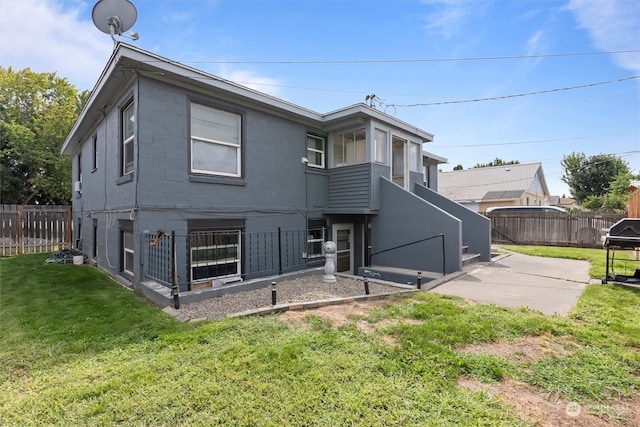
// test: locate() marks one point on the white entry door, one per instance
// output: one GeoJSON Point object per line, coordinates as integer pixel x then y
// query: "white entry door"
{"type": "Point", "coordinates": [343, 238]}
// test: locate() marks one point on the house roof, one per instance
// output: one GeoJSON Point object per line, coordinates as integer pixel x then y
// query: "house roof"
{"type": "Point", "coordinates": [491, 183]}
{"type": "Point", "coordinates": [438, 159]}
{"type": "Point", "coordinates": [127, 62]}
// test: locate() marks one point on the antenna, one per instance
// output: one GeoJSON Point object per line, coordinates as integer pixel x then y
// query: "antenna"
{"type": "Point", "coordinates": [115, 17]}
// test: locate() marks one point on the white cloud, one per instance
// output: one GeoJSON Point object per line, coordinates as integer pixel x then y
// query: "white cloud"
{"type": "Point", "coordinates": [249, 79]}
{"type": "Point", "coordinates": [450, 15]}
{"type": "Point", "coordinates": [612, 25]}
{"type": "Point", "coordinates": [534, 43]}
{"type": "Point", "coordinates": [447, 20]}
{"type": "Point", "coordinates": [44, 36]}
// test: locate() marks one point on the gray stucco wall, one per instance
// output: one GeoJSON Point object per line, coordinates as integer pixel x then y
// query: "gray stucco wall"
{"type": "Point", "coordinates": [275, 191]}
{"type": "Point", "coordinates": [476, 228]}
{"type": "Point", "coordinates": [273, 175]}
{"type": "Point", "coordinates": [404, 218]}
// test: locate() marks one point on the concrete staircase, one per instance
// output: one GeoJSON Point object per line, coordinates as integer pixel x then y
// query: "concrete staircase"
{"type": "Point", "coordinates": [402, 276]}
{"type": "Point", "coordinates": [410, 277]}
{"type": "Point", "coordinates": [469, 258]}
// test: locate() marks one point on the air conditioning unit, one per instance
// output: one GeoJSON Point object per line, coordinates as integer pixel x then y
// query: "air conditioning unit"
{"type": "Point", "coordinates": [77, 186]}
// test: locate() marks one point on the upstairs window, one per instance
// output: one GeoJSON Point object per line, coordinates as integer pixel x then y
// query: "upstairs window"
{"type": "Point", "coordinates": [349, 148]}
{"type": "Point", "coordinates": [315, 151]}
{"type": "Point", "coordinates": [128, 138]}
{"type": "Point", "coordinates": [215, 141]}
{"type": "Point", "coordinates": [381, 145]}
{"type": "Point", "coordinates": [79, 164]}
{"type": "Point", "coordinates": [414, 157]}
{"type": "Point", "coordinates": [94, 162]}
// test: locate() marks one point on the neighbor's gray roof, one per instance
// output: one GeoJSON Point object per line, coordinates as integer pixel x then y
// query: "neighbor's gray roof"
{"type": "Point", "coordinates": [474, 185]}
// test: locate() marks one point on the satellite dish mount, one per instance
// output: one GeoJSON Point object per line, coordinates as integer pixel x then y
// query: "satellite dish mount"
{"type": "Point", "coordinates": [115, 17]}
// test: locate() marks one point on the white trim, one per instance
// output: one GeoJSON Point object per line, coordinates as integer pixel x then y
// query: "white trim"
{"type": "Point", "coordinates": [323, 152]}
{"type": "Point", "coordinates": [349, 228]}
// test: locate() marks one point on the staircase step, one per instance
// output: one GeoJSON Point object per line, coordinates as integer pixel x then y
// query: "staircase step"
{"type": "Point", "coordinates": [398, 275]}
{"type": "Point", "coordinates": [468, 259]}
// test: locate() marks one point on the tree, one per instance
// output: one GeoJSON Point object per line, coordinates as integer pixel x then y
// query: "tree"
{"type": "Point", "coordinates": [37, 111]}
{"type": "Point", "coordinates": [496, 162]}
{"type": "Point", "coordinates": [591, 176]}
{"type": "Point", "coordinates": [458, 168]}
{"type": "Point", "coordinates": [616, 199]}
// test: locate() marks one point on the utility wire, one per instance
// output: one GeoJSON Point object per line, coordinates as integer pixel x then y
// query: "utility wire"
{"type": "Point", "coordinates": [388, 61]}
{"type": "Point", "coordinates": [512, 143]}
{"type": "Point", "coordinates": [496, 98]}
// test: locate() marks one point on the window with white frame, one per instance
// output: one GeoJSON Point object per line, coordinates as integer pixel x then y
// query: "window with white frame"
{"type": "Point", "coordinates": [315, 151]}
{"type": "Point", "coordinates": [215, 141]}
{"type": "Point", "coordinates": [127, 251]}
{"type": "Point", "coordinates": [215, 254]}
{"type": "Point", "coordinates": [94, 161]}
{"type": "Point", "coordinates": [425, 172]}
{"type": "Point", "coordinates": [414, 157]}
{"type": "Point", "coordinates": [128, 138]}
{"type": "Point", "coordinates": [315, 240]}
{"type": "Point", "coordinates": [381, 147]}
{"type": "Point", "coordinates": [349, 147]}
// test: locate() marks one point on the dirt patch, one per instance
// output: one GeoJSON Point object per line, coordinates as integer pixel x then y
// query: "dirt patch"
{"type": "Point", "coordinates": [527, 349]}
{"type": "Point", "coordinates": [338, 315]}
{"type": "Point", "coordinates": [529, 402]}
{"type": "Point", "coordinates": [551, 411]}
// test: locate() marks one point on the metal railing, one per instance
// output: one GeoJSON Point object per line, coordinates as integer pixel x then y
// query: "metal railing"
{"type": "Point", "coordinates": [441, 236]}
{"type": "Point", "coordinates": [242, 256]}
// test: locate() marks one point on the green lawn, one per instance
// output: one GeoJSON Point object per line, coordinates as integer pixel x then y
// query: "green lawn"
{"type": "Point", "coordinates": [596, 257]}
{"type": "Point", "coordinates": [77, 349]}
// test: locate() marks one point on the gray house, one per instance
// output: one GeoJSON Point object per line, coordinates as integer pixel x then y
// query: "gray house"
{"type": "Point", "coordinates": [183, 177]}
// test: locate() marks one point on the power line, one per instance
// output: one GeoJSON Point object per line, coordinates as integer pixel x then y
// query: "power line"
{"type": "Point", "coordinates": [404, 61]}
{"type": "Point", "coordinates": [496, 98]}
{"type": "Point", "coordinates": [515, 143]}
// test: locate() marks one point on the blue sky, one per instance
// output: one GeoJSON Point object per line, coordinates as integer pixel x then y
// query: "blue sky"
{"type": "Point", "coordinates": [325, 55]}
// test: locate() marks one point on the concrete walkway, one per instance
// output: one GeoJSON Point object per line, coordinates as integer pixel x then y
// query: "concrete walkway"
{"type": "Point", "coordinates": [550, 285]}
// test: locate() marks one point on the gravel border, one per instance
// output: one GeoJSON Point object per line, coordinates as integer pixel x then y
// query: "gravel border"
{"type": "Point", "coordinates": [300, 290]}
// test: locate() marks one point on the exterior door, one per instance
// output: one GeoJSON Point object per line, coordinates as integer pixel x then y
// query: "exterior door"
{"type": "Point", "coordinates": [343, 237]}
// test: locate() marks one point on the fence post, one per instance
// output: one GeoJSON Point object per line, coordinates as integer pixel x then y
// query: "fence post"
{"type": "Point", "coordinates": [444, 261]}
{"type": "Point", "coordinates": [175, 290]}
{"type": "Point", "coordinates": [279, 251]}
{"type": "Point", "coordinates": [20, 229]}
{"type": "Point", "coordinates": [69, 230]}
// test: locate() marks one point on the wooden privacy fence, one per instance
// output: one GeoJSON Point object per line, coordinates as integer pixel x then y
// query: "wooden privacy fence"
{"type": "Point", "coordinates": [580, 229]}
{"type": "Point", "coordinates": [634, 205]}
{"type": "Point", "coordinates": [28, 229]}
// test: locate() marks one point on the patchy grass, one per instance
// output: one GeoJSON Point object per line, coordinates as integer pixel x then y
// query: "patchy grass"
{"type": "Point", "coordinates": [78, 349]}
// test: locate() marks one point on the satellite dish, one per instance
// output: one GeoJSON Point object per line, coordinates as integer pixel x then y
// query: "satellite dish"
{"type": "Point", "coordinates": [114, 16]}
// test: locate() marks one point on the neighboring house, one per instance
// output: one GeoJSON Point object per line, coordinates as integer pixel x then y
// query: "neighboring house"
{"type": "Point", "coordinates": [563, 202]}
{"type": "Point", "coordinates": [482, 188]}
{"type": "Point", "coordinates": [246, 185]}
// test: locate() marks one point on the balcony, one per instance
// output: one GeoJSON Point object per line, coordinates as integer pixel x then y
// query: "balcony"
{"type": "Point", "coordinates": [353, 189]}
